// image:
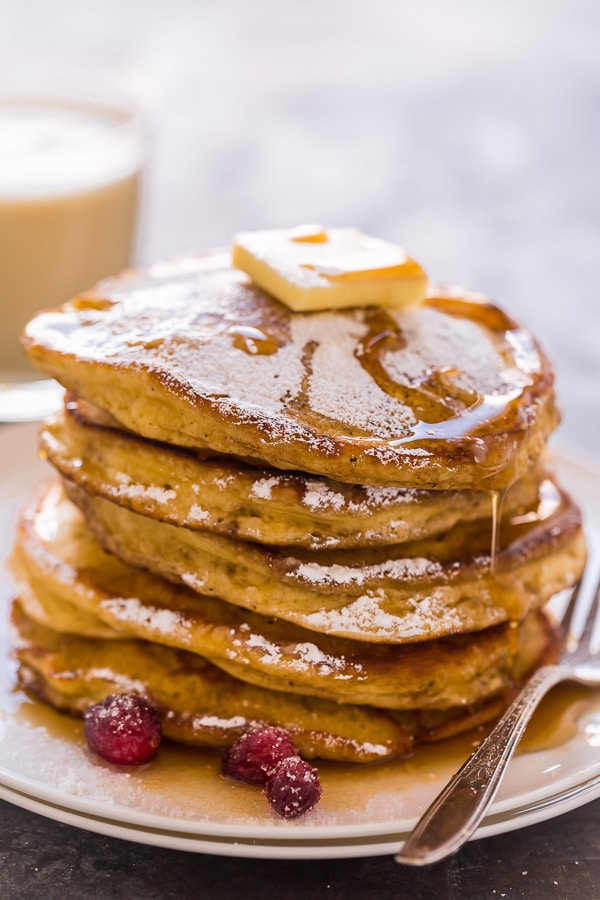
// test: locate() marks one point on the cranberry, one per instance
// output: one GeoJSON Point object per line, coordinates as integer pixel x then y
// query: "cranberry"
{"type": "Point", "coordinates": [123, 728]}
{"type": "Point", "coordinates": [293, 787]}
{"type": "Point", "coordinates": [256, 753]}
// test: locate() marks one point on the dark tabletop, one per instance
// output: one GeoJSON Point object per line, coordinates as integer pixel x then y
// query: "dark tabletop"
{"type": "Point", "coordinates": [39, 858]}
{"type": "Point", "coordinates": [468, 131]}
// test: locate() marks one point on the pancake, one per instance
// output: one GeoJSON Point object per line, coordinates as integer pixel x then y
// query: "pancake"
{"type": "Point", "coordinates": [414, 591]}
{"type": "Point", "coordinates": [67, 582]}
{"type": "Point", "coordinates": [225, 496]}
{"type": "Point", "coordinates": [450, 393]}
{"type": "Point", "coordinates": [201, 705]}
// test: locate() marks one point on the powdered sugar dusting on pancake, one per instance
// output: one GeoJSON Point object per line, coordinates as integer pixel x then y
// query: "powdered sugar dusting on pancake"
{"type": "Point", "coordinates": [181, 325]}
{"type": "Point", "coordinates": [449, 393]}
{"type": "Point", "coordinates": [367, 614]}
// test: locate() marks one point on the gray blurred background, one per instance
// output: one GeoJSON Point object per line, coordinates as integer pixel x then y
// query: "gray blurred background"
{"type": "Point", "coordinates": [467, 130]}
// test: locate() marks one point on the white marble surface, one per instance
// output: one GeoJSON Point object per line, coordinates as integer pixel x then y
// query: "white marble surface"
{"type": "Point", "coordinates": [468, 131]}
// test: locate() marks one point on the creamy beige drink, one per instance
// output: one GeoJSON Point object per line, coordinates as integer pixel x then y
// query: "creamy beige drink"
{"type": "Point", "coordinates": [69, 186]}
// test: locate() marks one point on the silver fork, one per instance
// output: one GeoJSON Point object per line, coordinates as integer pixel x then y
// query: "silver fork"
{"type": "Point", "coordinates": [457, 811]}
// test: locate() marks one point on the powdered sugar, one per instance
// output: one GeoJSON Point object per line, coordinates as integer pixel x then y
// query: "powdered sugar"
{"type": "Point", "coordinates": [395, 569]}
{"type": "Point", "coordinates": [194, 581]}
{"type": "Point", "coordinates": [318, 496]}
{"type": "Point", "coordinates": [380, 495]}
{"type": "Point", "coordinates": [323, 496]}
{"type": "Point", "coordinates": [182, 327]}
{"type": "Point", "coordinates": [129, 611]}
{"type": "Point", "coordinates": [122, 682]}
{"type": "Point", "coordinates": [271, 652]}
{"type": "Point", "coordinates": [339, 388]}
{"type": "Point", "coordinates": [313, 657]}
{"type": "Point", "coordinates": [134, 491]}
{"type": "Point", "coordinates": [198, 514]}
{"type": "Point", "coordinates": [216, 722]}
{"type": "Point", "coordinates": [305, 657]}
{"type": "Point", "coordinates": [221, 483]}
{"type": "Point", "coordinates": [263, 487]}
{"type": "Point", "coordinates": [455, 344]}
{"type": "Point", "coordinates": [368, 615]}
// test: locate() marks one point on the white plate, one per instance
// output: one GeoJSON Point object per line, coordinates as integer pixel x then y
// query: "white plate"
{"type": "Point", "coordinates": [180, 800]}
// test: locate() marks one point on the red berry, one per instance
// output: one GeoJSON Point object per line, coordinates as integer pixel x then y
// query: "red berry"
{"type": "Point", "coordinates": [256, 753]}
{"type": "Point", "coordinates": [123, 728]}
{"type": "Point", "coordinates": [293, 787]}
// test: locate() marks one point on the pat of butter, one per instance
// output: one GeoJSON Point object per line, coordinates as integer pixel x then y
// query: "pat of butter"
{"type": "Point", "coordinates": [312, 268]}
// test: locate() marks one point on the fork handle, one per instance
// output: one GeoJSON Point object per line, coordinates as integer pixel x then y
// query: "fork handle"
{"type": "Point", "coordinates": [457, 811]}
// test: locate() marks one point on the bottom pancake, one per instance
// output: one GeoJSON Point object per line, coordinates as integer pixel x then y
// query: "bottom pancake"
{"type": "Point", "coordinates": [200, 704]}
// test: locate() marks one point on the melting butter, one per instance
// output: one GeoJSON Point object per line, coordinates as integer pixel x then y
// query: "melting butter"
{"type": "Point", "coordinates": [312, 268]}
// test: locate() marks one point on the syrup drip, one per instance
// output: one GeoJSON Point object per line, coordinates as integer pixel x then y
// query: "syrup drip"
{"type": "Point", "coordinates": [508, 531]}
{"type": "Point", "coordinates": [548, 503]}
{"type": "Point", "coordinates": [497, 498]}
{"type": "Point", "coordinates": [253, 341]}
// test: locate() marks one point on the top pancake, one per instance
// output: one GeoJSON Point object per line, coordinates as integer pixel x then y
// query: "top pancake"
{"type": "Point", "coordinates": [450, 393]}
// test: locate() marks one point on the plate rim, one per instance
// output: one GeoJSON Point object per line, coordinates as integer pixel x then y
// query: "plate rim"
{"type": "Point", "coordinates": [335, 848]}
{"type": "Point", "coordinates": [540, 804]}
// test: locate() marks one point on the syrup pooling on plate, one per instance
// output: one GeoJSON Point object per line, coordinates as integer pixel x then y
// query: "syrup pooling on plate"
{"type": "Point", "coordinates": [352, 794]}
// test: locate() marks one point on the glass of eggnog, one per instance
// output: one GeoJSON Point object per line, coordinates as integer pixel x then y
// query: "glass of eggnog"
{"type": "Point", "coordinates": [70, 172]}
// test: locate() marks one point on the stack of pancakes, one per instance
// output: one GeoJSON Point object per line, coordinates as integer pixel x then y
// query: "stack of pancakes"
{"type": "Point", "coordinates": [344, 523]}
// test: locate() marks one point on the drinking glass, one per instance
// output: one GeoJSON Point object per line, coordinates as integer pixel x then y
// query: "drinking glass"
{"type": "Point", "coordinates": [70, 177]}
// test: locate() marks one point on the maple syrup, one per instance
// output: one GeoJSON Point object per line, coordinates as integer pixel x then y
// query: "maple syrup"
{"type": "Point", "coordinates": [186, 781]}
{"type": "Point", "coordinates": [435, 394]}
{"type": "Point", "coordinates": [353, 268]}
{"type": "Point", "coordinates": [253, 341]}
{"type": "Point", "coordinates": [444, 410]}
{"type": "Point", "coordinates": [497, 498]}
